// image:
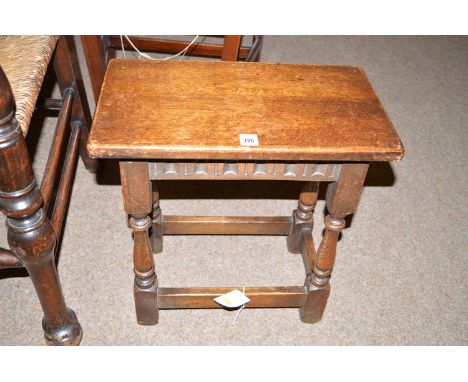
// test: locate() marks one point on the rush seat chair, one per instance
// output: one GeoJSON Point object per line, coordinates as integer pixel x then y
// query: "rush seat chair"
{"type": "Point", "coordinates": [35, 212]}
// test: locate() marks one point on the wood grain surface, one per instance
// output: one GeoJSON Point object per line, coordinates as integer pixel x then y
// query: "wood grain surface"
{"type": "Point", "coordinates": [202, 298]}
{"type": "Point", "coordinates": [196, 110]}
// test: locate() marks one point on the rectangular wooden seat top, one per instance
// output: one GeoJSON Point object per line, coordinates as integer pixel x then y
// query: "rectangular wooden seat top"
{"type": "Point", "coordinates": [197, 110]}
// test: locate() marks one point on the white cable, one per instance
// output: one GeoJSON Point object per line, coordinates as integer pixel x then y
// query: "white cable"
{"type": "Point", "coordinates": [136, 49]}
{"type": "Point", "coordinates": [123, 49]}
{"type": "Point", "coordinates": [147, 56]}
{"type": "Point", "coordinates": [186, 49]}
{"type": "Point", "coordinates": [183, 51]}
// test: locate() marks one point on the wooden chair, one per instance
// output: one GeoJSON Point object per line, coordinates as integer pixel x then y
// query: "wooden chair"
{"type": "Point", "coordinates": [34, 223]}
{"type": "Point", "coordinates": [100, 49]}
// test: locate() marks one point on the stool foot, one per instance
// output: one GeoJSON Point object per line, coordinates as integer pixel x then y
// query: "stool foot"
{"type": "Point", "coordinates": [146, 304]}
{"type": "Point", "coordinates": [67, 333]}
{"type": "Point", "coordinates": [314, 307]}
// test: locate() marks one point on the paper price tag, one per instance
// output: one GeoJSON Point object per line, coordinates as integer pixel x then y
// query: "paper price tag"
{"type": "Point", "coordinates": [248, 139]}
{"type": "Point", "coordinates": [233, 299]}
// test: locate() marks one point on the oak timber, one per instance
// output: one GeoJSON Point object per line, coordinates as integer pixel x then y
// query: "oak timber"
{"type": "Point", "coordinates": [197, 110]}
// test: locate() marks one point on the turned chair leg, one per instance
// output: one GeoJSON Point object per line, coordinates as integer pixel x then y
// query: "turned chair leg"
{"type": "Point", "coordinates": [342, 199]}
{"type": "Point", "coordinates": [303, 216]}
{"type": "Point", "coordinates": [136, 188]}
{"type": "Point", "coordinates": [30, 234]}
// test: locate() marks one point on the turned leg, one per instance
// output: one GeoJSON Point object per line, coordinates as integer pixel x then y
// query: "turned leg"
{"type": "Point", "coordinates": [303, 216]}
{"type": "Point", "coordinates": [342, 199]}
{"type": "Point", "coordinates": [136, 188]}
{"type": "Point", "coordinates": [30, 235]}
{"type": "Point", "coordinates": [156, 228]}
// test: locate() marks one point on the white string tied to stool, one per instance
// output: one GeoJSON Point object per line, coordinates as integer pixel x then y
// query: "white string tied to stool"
{"type": "Point", "coordinates": [239, 310]}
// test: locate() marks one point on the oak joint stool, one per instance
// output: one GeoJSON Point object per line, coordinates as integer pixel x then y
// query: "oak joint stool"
{"type": "Point", "coordinates": [240, 121]}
